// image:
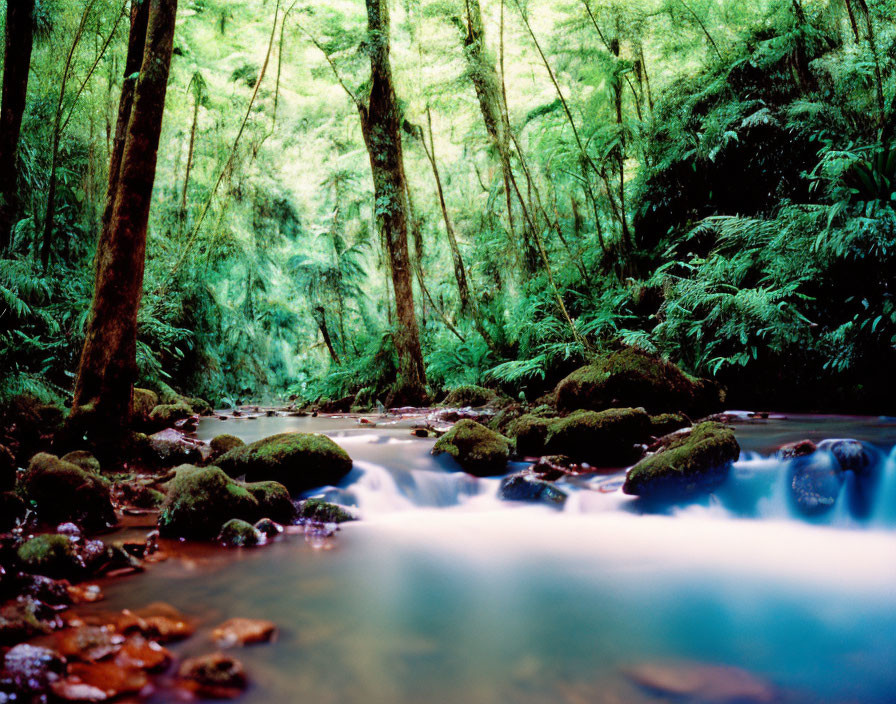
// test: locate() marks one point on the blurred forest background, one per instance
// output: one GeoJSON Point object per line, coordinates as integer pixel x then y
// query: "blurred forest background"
{"type": "Point", "coordinates": [711, 180]}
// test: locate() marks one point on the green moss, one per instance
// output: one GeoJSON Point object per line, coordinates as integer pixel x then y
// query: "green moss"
{"type": "Point", "coordinates": [634, 378]}
{"type": "Point", "coordinates": [222, 444]}
{"type": "Point", "coordinates": [273, 500]}
{"type": "Point", "coordinates": [666, 423]}
{"type": "Point", "coordinates": [62, 491]}
{"type": "Point", "coordinates": [199, 405]}
{"type": "Point", "coordinates": [531, 434]}
{"type": "Point", "coordinates": [239, 534]}
{"type": "Point", "coordinates": [165, 416]}
{"type": "Point", "coordinates": [84, 460]}
{"type": "Point", "coordinates": [605, 439]}
{"type": "Point", "coordinates": [322, 512]}
{"type": "Point", "coordinates": [142, 405]}
{"type": "Point", "coordinates": [690, 462]}
{"type": "Point", "coordinates": [477, 449]}
{"type": "Point", "coordinates": [51, 555]}
{"type": "Point", "coordinates": [469, 395]}
{"type": "Point", "coordinates": [299, 461]}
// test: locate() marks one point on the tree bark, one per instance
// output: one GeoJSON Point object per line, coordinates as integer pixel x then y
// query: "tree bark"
{"type": "Point", "coordinates": [107, 371]}
{"type": "Point", "coordinates": [381, 124]}
{"type": "Point", "coordinates": [17, 63]}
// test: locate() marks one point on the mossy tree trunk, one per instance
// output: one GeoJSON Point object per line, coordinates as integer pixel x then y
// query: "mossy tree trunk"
{"type": "Point", "coordinates": [107, 371]}
{"type": "Point", "coordinates": [380, 123]}
{"type": "Point", "coordinates": [16, 68]}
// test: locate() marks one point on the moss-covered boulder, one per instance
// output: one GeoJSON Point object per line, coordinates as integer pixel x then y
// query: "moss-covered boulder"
{"type": "Point", "coordinates": [51, 555]}
{"type": "Point", "coordinates": [477, 449]}
{"type": "Point", "coordinates": [7, 468]}
{"type": "Point", "coordinates": [166, 415]}
{"type": "Point", "coordinates": [142, 405]}
{"type": "Point", "coordinates": [222, 444]}
{"type": "Point", "coordinates": [665, 423]}
{"type": "Point", "coordinates": [320, 511]}
{"type": "Point", "coordinates": [83, 459]}
{"type": "Point", "coordinates": [239, 534]}
{"type": "Point", "coordinates": [606, 439]}
{"type": "Point", "coordinates": [531, 434]}
{"type": "Point", "coordinates": [273, 500]}
{"type": "Point", "coordinates": [201, 499]}
{"type": "Point", "coordinates": [299, 461]}
{"type": "Point", "coordinates": [62, 492]}
{"type": "Point", "coordinates": [690, 462]}
{"type": "Point", "coordinates": [469, 395]}
{"type": "Point", "coordinates": [526, 488]}
{"type": "Point", "coordinates": [634, 378]}
{"type": "Point", "coordinates": [200, 406]}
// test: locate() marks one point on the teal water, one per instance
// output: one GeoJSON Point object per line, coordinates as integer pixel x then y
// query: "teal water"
{"type": "Point", "coordinates": [444, 594]}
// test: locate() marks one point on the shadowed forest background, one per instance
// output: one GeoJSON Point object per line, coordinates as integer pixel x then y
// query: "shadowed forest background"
{"type": "Point", "coordinates": [712, 181]}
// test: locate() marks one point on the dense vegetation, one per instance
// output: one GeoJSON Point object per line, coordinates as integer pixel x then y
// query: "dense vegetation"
{"type": "Point", "coordinates": [712, 181]}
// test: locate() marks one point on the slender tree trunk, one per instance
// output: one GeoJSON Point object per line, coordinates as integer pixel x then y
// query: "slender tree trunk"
{"type": "Point", "coordinates": [197, 85]}
{"type": "Point", "coordinates": [852, 20]}
{"type": "Point", "coordinates": [321, 317]}
{"type": "Point", "coordinates": [380, 125]}
{"type": "Point", "coordinates": [878, 75]}
{"type": "Point", "coordinates": [16, 68]}
{"type": "Point", "coordinates": [106, 374]}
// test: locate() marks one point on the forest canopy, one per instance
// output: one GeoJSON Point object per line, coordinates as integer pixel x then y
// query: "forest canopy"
{"type": "Point", "coordinates": [711, 181]}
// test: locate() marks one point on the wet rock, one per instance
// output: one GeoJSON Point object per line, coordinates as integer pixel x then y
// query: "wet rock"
{"type": "Point", "coordinates": [215, 676]}
{"type": "Point", "coordinates": [666, 423]}
{"type": "Point", "coordinates": [52, 555]}
{"type": "Point", "coordinates": [171, 447]}
{"type": "Point", "coordinates": [143, 404]}
{"type": "Point", "coordinates": [31, 669]}
{"type": "Point", "coordinates": [98, 682]}
{"type": "Point", "coordinates": [553, 467]}
{"type": "Point", "coordinates": [469, 396]}
{"type": "Point", "coordinates": [7, 469]}
{"type": "Point", "coordinates": [199, 406]}
{"type": "Point", "coordinates": [801, 448]}
{"type": "Point", "coordinates": [138, 495]}
{"type": "Point", "coordinates": [138, 652]}
{"type": "Point", "coordinates": [707, 684]}
{"type": "Point", "coordinates": [851, 455]}
{"type": "Point", "coordinates": [166, 415]}
{"type": "Point", "coordinates": [299, 461]}
{"type": "Point", "coordinates": [25, 618]}
{"type": "Point", "coordinates": [606, 439]}
{"type": "Point", "coordinates": [690, 462]}
{"type": "Point", "coordinates": [268, 528]}
{"type": "Point", "coordinates": [320, 511]}
{"type": "Point", "coordinates": [239, 534]}
{"type": "Point", "coordinates": [83, 459]}
{"type": "Point", "coordinates": [531, 434]}
{"type": "Point", "coordinates": [64, 492]}
{"type": "Point", "coordinates": [158, 622]}
{"type": "Point", "coordinates": [88, 643]}
{"type": "Point", "coordinates": [632, 378]}
{"type": "Point", "coordinates": [478, 450]}
{"type": "Point", "coordinates": [12, 510]}
{"type": "Point", "coordinates": [273, 500]}
{"type": "Point", "coordinates": [524, 487]}
{"type": "Point", "coordinates": [243, 631]}
{"type": "Point", "coordinates": [342, 405]}
{"type": "Point", "coordinates": [815, 484]}
{"type": "Point", "coordinates": [56, 593]}
{"type": "Point", "coordinates": [222, 444]}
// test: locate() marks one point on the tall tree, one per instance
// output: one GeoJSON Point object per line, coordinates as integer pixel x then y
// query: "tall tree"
{"type": "Point", "coordinates": [16, 68]}
{"type": "Point", "coordinates": [104, 388]}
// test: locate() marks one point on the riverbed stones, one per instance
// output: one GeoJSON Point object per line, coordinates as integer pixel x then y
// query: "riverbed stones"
{"type": "Point", "coordinates": [299, 461]}
{"type": "Point", "coordinates": [524, 487]}
{"type": "Point", "coordinates": [320, 511]}
{"type": "Point", "coordinates": [222, 444]}
{"type": "Point", "coordinates": [62, 491]}
{"type": "Point", "coordinates": [702, 682]}
{"type": "Point", "coordinates": [244, 631]}
{"type": "Point", "coordinates": [851, 455]}
{"type": "Point", "coordinates": [31, 669]}
{"type": "Point", "coordinates": [273, 500]}
{"type": "Point", "coordinates": [800, 448]}
{"type": "Point", "coordinates": [689, 462]}
{"type": "Point", "coordinates": [216, 676]}
{"type": "Point", "coordinates": [478, 450]}
{"type": "Point", "coordinates": [51, 555]}
{"type": "Point", "coordinates": [633, 378]}
{"type": "Point", "coordinates": [239, 534]}
{"type": "Point", "coordinates": [171, 447]}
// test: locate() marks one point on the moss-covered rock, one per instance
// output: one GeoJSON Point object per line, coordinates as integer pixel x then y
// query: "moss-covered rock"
{"type": "Point", "coordinates": [12, 510]}
{"type": "Point", "coordinates": [634, 378]}
{"type": "Point", "coordinates": [51, 555]}
{"type": "Point", "coordinates": [138, 495]}
{"type": "Point", "coordinates": [320, 511]}
{"type": "Point", "coordinates": [477, 449]}
{"type": "Point", "coordinates": [606, 439]}
{"type": "Point", "coordinates": [222, 444]}
{"type": "Point", "coordinates": [299, 461]}
{"type": "Point", "coordinates": [531, 434]}
{"type": "Point", "coordinates": [469, 395]}
{"type": "Point", "coordinates": [200, 406]}
{"type": "Point", "coordinates": [83, 459]}
{"type": "Point", "coordinates": [170, 448]}
{"type": "Point", "coordinates": [62, 491]}
{"type": "Point", "coordinates": [273, 500]}
{"type": "Point", "coordinates": [666, 423]}
{"type": "Point", "coordinates": [201, 499]}
{"type": "Point", "coordinates": [239, 534]}
{"type": "Point", "coordinates": [690, 462]}
{"type": "Point", "coordinates": [166, 415]}
{"type": "Point", "coordinates": [142, 405]}
{"type": "Point", "coordinates": [526, 488]}
{"type": "Point", "coordinates": [7, 468]}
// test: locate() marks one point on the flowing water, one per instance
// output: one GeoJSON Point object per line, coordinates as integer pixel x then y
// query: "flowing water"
{"type": "Point", "coordinates": [443, 593]}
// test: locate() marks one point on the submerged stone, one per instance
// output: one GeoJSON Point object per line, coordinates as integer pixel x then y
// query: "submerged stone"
{"type": "Point", "coordinates": [62, 491]}
{"type": "Point", "coordinates": [299, 461]}
{"type": "Point", "coordinates": [476, 449]}
{"type": "Point", "coordinates": [239, 534]}
{"type": "Point", "coordinates": [801, 448]}
{"type": "Point", "coordinates": [815, 484]}
{"type": "Point", "coordinates": [216, 676]}
{"type": "Point", "coordinates": [699, 682]}
{"type": "Point", "coordinates": [851, 455]}
{"type": "Point", "coordinates": [524, 487]}
{"type": "Point", "coordinates": [689, 462]}
{"type": "Point", "coordinates": [268, 528]}
{"type": "Point", "coordinates": [243, 631]}
{"type": "Point", "coordinates": [632, 378]}
{"type": "Point", "coordinates": [320, 511]}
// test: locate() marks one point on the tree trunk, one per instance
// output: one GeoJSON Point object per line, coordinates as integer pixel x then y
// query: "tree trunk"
{"type": "Point", "coordinates": [198, 85]}
{"type": "Point", "coordinates": [107, 371]}
{"type": "Point", "coordinates": [321, 317]}
{"type": "Point", "coordinates": [380, 124]}
{"type": "Point", "coordinates": [17, 62]}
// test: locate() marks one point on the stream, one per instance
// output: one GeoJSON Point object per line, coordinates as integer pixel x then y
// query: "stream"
{"type": "Point", "coordinates": [443, 593]}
